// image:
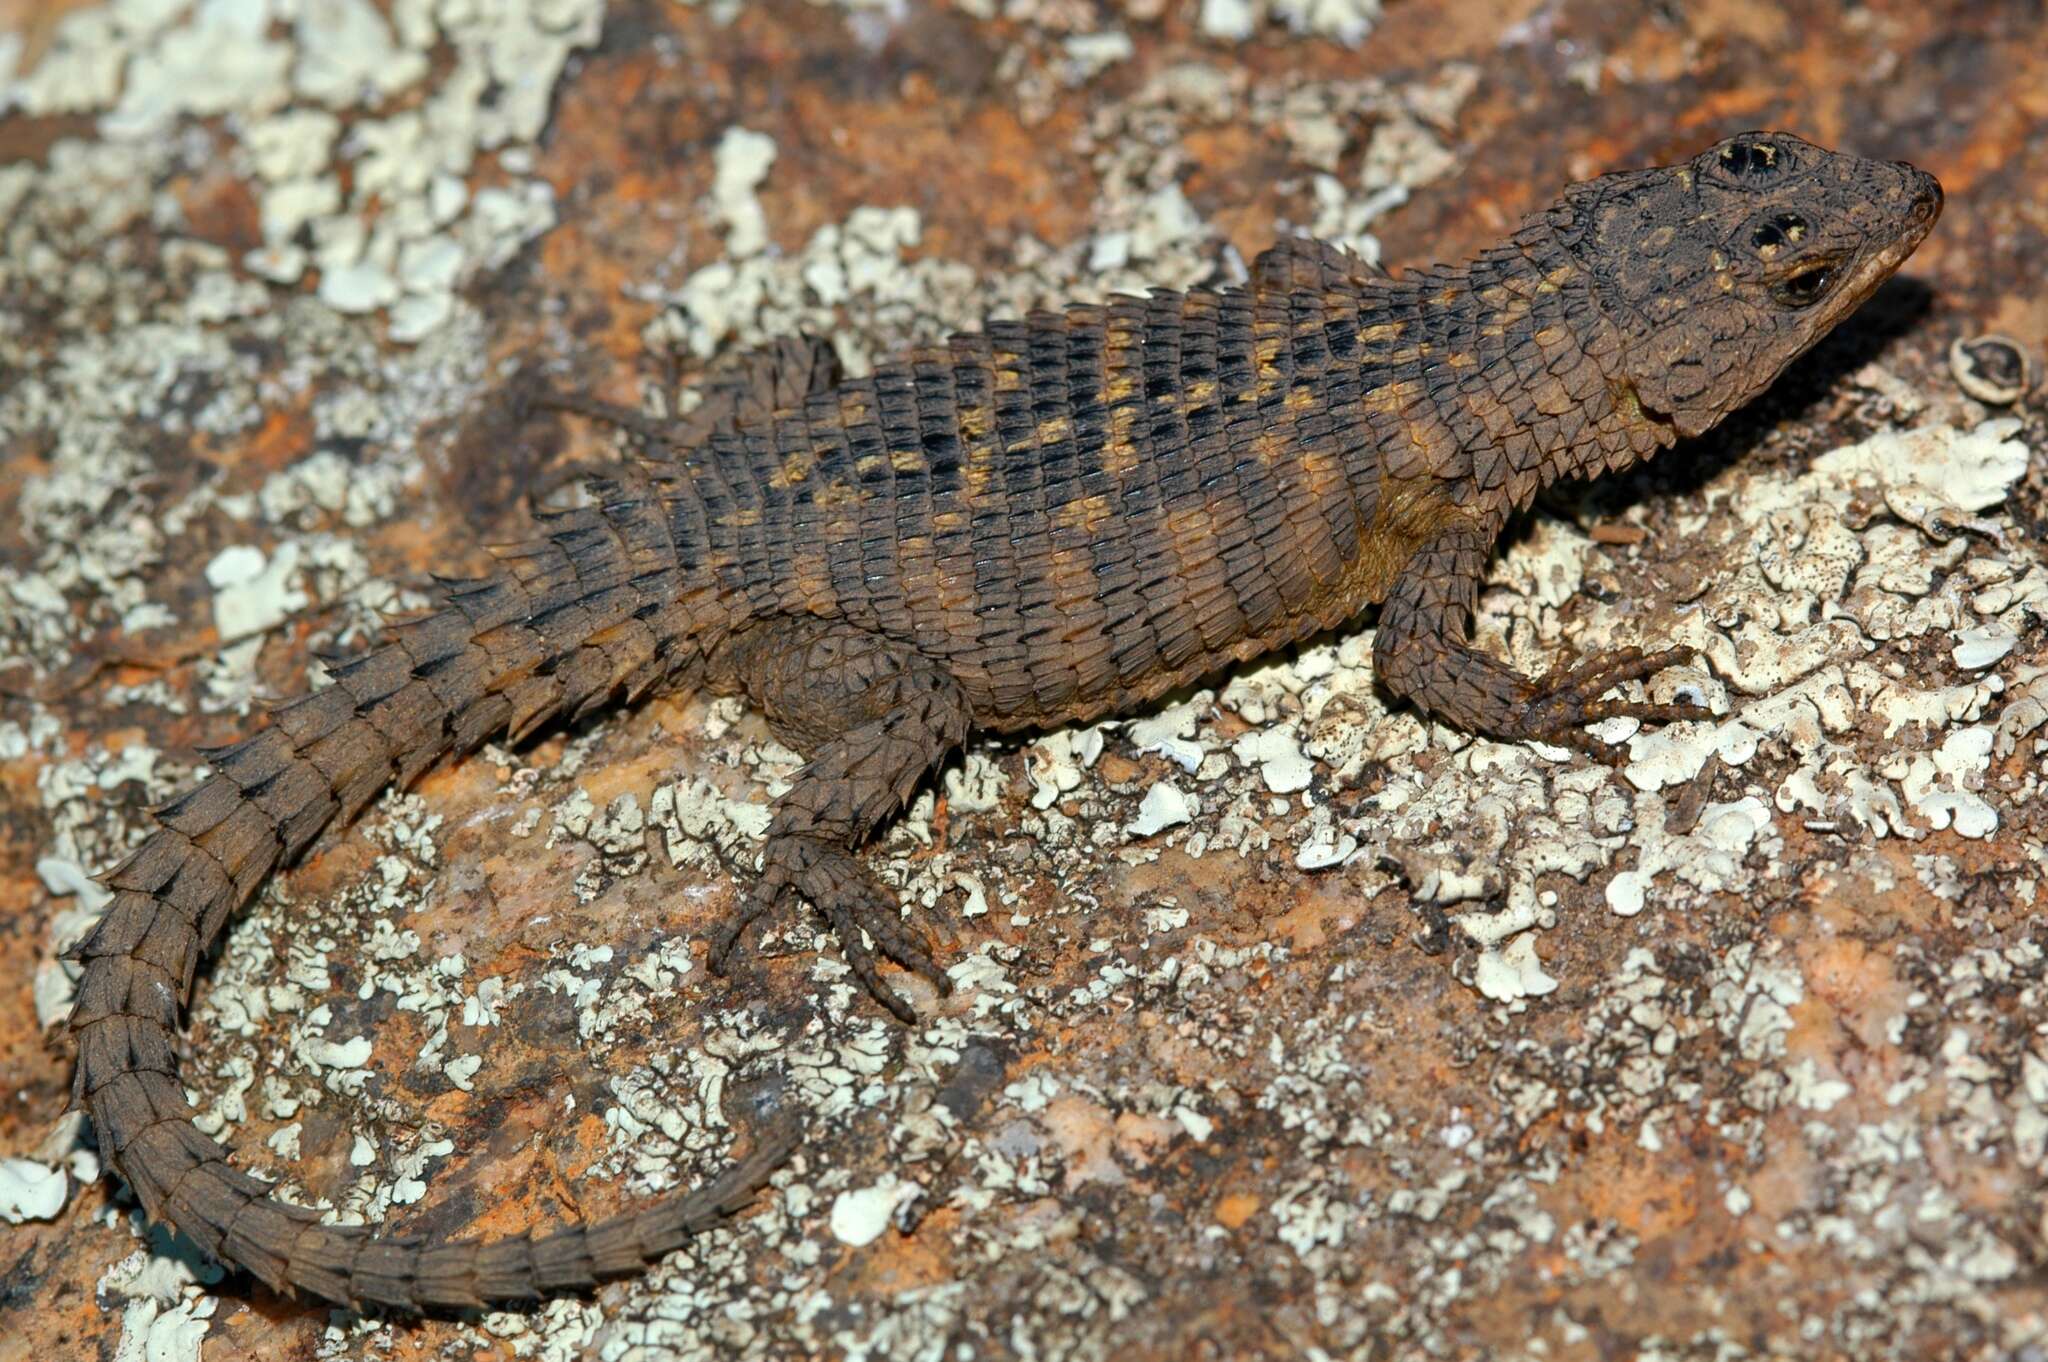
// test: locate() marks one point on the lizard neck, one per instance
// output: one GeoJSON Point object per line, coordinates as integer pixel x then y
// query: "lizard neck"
{"type": "Point", "coordinates": [1484, 383]}
{"type": "Point", "coordinates": [1582, 354]}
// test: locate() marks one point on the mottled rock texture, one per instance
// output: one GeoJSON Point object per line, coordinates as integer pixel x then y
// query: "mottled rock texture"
{"type": "Point", "coordinates": [1282, 1021]}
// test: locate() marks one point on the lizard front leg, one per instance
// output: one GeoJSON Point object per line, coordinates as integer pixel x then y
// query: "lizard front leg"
{"type": "Point", "coordinates": [1422, 652]}
{"type": "Point", "coordinates": [874, 717]}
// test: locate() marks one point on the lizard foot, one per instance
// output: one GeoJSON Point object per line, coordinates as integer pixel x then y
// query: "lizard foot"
{"type": "Point", "coordinates": [1564, 702]}
{"type": "Point", "coordinates": [857, 905]}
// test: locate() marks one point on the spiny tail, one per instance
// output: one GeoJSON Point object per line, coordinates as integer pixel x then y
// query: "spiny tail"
{"type": "Point", "coordinates": [597, 606]}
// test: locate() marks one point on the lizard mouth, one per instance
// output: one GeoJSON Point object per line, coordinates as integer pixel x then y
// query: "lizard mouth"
{"type": "Point", "coordinates": [1867, 270]}
{"type": "Point", "coordinates": [1924, 200]}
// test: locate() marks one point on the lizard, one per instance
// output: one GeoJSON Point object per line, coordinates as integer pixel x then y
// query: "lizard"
{"type": "Point", "coordinates": [1054, 519]}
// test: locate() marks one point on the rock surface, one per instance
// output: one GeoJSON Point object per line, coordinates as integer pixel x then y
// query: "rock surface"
{"type": "Point", "coordinates": [1284, 1025]}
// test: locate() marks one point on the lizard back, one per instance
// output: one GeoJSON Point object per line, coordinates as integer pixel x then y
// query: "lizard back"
{"type": "Point", "coordinates": [1079, 511]}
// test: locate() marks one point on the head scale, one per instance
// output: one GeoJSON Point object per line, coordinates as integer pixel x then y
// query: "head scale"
{"type": "Point", "coordinates": [1722, 270]}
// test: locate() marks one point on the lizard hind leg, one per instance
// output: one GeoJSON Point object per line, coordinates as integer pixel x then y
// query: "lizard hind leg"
{"type": "Point", "coordinates": [874, 717]}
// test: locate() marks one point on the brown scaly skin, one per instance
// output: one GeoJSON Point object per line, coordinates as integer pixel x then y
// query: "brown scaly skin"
{"type": "Point", "coordinates": [1060, 518]}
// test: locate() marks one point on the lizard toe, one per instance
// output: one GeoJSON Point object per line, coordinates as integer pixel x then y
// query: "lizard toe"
{"type": "Point", "coordinates": [883, 922]}
{"type": "Point", "coordinates": [768, 892]}
{"type": "Point", "coordinates": [861, 911]}
{"type": "Point", "coordinates": [861, 960]}
{"type": "Point", "coordinates": [1569, 699]}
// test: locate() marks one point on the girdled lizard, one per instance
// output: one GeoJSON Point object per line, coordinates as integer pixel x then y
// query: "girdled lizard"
{"type": "Point", "coordinates": [1048, 521]}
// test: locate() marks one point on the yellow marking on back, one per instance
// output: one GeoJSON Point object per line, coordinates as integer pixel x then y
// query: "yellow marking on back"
{"type": "Point", "coordinates": [978, 472]}
{"type": "Point", "coordinates": [1083, 513]}
{"type": "Point", "coordinates": [1070, 568]}
{"type": "Point", "coordinates": [1322, 468]}
{"type": "Point", "coordinates": [1393, 397]}
{"type": "Point", "coordinates": [1119, 455]}
{"type": "Point", "coordinates": [795, 468]}
{"type": "Point", "coordinates": [812, 575]}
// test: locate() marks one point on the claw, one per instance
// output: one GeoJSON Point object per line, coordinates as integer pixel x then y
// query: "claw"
{"type": "Point", "coordinates": [777, 879]}
{"type": "Point", "coordinates": [726, 935]}
{"type": "Point", "coordinates": [881, 920]}
{"type": "Point", "coordinates": [1569, 698]}
{"type": "Point", "coordinates": [862, 961]}
{"type": "Point", "coordinates": [858, 908]}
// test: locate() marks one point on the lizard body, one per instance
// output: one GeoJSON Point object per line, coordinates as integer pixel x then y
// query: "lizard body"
{"type": "Point", "coordinates": [1052, 520]}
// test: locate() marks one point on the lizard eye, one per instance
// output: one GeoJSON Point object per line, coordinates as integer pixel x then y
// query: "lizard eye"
{"type": "Point", "coordinates": [1776, 232]}
{"type": "Point", "coordinates": [1751, 159]}
{"type": "Point", "coordinates": [1805, 288]}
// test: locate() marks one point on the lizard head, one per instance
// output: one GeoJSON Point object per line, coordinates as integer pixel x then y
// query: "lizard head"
{"type": "Point", "coordinates": [1722, 270]}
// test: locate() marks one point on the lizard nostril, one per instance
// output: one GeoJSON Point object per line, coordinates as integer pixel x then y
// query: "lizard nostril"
{"type": "Point", "coordinates": [1926, 190]}
{"type": "Point", "coordinates": [1927, 207]}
